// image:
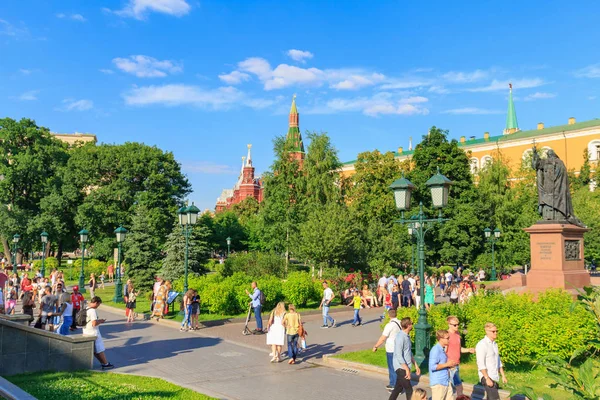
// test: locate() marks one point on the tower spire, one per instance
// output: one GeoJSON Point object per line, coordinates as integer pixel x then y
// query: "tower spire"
{"type": "Point", "coordinates": [293, 136]}
{"type": "Point", "coordinates": [249, 159]}
{"type": "Point", "coordinates": [511, 117]}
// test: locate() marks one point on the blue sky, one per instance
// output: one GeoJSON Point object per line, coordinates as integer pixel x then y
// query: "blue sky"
{"type": "Point", "coordinates": [204, 78]}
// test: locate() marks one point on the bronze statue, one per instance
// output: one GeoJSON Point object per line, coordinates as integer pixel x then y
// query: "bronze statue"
{"type": "Point", "coordinates": [554, 197]}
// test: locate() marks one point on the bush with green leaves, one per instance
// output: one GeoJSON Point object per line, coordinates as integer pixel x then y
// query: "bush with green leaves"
{"type": "Point", "coordinates": [272, 287]}
{"type": "Point", "coordinates": [50, 263]}
{"type": "Point", "coordinates": [91, 265]}
{"type": "Point", "coordinates": [299, 289]}
{"type": "Point", "coordinates": [254, 264]}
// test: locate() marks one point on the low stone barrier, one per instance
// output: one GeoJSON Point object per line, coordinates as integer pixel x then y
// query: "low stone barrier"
{"type": "Point", "coordinates": [26, 349]}
{"type": "Point", "coordinates": [13, 392]}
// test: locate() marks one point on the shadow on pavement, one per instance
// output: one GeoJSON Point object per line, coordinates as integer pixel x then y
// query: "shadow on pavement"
{"type": "Point", "coordinates": [319, 350]}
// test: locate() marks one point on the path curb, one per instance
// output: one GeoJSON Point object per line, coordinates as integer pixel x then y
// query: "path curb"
{"type": "Point", "coordinates": [333, 362]}
{"type": "Point", "coordinates": [11, 391]}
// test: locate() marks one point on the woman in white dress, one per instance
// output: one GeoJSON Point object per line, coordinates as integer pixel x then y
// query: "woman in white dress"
{"type": "Point", "coordinates": [276, 331]}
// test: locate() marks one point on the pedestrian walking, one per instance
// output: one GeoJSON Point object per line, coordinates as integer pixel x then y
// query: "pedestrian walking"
{"type": "Point", "coordinates": [11, 298]}
{"type": "Point", "coordinates": [356, 302]}
{"type": "Point", "coordinates": [403, 361]}
{"type": "Point", "coordinates": [489, 365]}
{"type": "Point", "coordinates": [186, 324]}
{"type": "Point", "coordinates": [111, 272]}
{"type": "Point", "coordinates": [390, 331]}
{"type": "Point", "coordinates": [92, 283]}
{"type": "Point", "coordinates": [406, 292]}
{"type": "Point", "coordinates": [195, 310]}
{"type": "Point", "coordinates": [454, 350]}
{"type": "Point", "coordinates": [325, 304]}
{"type": "Point", "coordinates": [382, 284]}
{"type": "Point", "coordinates": [65, 311]}
{"type": "Point", "coordinates": [293, 329]}
{"type": "Point", "coordinates": [160, 301]}
{"type": "Point", "coordinates": [256, 297]}
{"type": "Point", "coordinates": [429, 294]}
{"type": "Point", "coordinates": [47, 307]}
{"type": "Point", "coordinates": [130, 300]}
{"type": "Point", "coordinates": [439, 367]}
{"type": "Point", "coordinates": [276, 331]}
{"type": "Point", "coordinates": [92, 328]}
{"type": "Point", "coordinates": [77, 301]}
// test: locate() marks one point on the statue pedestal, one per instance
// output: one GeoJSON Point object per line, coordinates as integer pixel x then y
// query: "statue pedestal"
{"type": "Point", "coordinates": [556, 257]}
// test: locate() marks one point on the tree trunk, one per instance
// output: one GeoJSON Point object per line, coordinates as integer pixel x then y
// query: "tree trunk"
{"type": "Point", "coordinates": [320, 271]}
{"type": "Point", "coordinates": [19, 256]}
{"type": "Point", "coordinates": [287, 251]}
{"type": "Point", "coordinates": [6, 249]}
{"type": "Point", "coordinates": [59, 252]}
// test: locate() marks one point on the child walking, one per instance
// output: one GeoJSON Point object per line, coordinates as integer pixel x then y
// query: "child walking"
{"type": "Point", "coordinates": [357, 301]}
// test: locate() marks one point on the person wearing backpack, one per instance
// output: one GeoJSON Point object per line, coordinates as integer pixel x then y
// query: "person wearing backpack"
{"type": "Point", "coordinates": [258, 299]}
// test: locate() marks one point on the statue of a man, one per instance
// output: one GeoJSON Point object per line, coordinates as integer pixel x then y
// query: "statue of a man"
{"type": "Point", "coordinates": [554, 197]}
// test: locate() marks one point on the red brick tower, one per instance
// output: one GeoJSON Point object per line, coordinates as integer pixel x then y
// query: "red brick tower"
{"type": "Point", "coordinates": [249, 186]}
{"type": "Point", "coordinates": [293, 136]}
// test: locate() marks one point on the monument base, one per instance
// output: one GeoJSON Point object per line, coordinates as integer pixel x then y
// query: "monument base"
{"type": "Point", "coordinates": [556, 257]}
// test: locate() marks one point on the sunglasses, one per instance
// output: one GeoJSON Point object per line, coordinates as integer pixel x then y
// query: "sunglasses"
{"type": "Point", "coordinates": [453, 324]}
{"type": "Point", "coordinates": [493, 331]}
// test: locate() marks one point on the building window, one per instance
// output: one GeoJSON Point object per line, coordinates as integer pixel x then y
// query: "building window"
{"type": "Point", "coordinates": [485, 161]}
{"type": "Point", "coordinates": [474, 165]}
{"type": "Point", "coordinates": [594, 150]}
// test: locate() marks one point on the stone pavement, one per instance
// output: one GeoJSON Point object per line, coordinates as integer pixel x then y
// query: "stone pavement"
{"type": "Point", "coordinates": [221, 362]}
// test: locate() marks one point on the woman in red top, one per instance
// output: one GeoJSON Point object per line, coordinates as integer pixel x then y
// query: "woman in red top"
{"type": "Point", "coordinates": [77, 300]}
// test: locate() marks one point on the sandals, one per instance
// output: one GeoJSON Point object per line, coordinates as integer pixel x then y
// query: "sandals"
{"type": "Point", "coordinates": [292, 361]}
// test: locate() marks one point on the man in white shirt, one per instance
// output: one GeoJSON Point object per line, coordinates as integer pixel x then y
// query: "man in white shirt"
{"type": "Point", "coordinates": [92, 328]}
{"type": "Point", "coordinates": [325, 304]}
{"type": "Point", "coordinates": [390, 331]}
{"type": "Point", "coordinates": [489, 365]}
{"type": "Point", "coordinates": [481, 275]}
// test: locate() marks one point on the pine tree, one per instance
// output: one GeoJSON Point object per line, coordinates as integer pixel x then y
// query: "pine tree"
{"type": "Point", "coordinates": [142, 250]}
{"type": "Point", "coordinates": [198, 252]}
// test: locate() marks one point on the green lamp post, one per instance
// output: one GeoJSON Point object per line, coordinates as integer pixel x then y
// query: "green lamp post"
{"type": "Point", "coordinates": [83, 238]}
{"type": "Point", "coordinates": [44, 238]}
{"type": "Point", "coordinates": [15, 242]}
{"type": "Point", "coordinates": [412, 250]}
{"type": "Point", "coordinates": [188, 216]}
{"type": "Point", "coordinates": [492, 239]}
{"type": "Point", "coordinates": [439, 186]}
{"type": "Point", "coordinates": [121, 233]}
{"type": "Point", "coordinates": [228, 246]}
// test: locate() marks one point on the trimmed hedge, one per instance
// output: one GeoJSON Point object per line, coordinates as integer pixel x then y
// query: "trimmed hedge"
{"type": "Point", "coordinates": [227, 295]}
{"type": "Point", "coordinates": [49, 264]}
{"type": "Point", "coordinates": [527, 329]}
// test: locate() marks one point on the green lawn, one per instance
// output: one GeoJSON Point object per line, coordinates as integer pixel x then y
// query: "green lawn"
{"type": "Point", "coordinates": [99, 386]}
{"type": "Point", "coordinates": [521, 375]}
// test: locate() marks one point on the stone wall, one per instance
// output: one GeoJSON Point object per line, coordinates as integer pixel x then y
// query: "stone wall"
{"type": "Point", "coordinates": [26, 349]}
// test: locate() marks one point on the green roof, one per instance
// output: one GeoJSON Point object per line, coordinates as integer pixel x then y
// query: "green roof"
{"type": "Point", "coordinates": [293, 109]}
{"type": "Point", "coordinates": [296, 138]}
{"type": "Point", "coordinates": [514, 136]}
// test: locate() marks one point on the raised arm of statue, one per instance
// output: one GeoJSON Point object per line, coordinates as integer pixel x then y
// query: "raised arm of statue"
{"type": "Point", "coordinates": [535, 158]}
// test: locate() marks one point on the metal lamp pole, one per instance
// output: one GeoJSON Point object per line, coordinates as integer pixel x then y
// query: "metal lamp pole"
{"type": "Point", "coordinates": [15, 241]}
{"type": "Point", "coordinates": [44, 237]}
{"type": "Point", "coordinates": [228, 246]}
{"type": "Point", "coordinates": [121, 233]}
{"type": "Point", "coordinates": [492, 239]}
{"type": "Point", "coordinates": [83, 238]}
{"type": "Point", "coordinates": [188, 216]}
{"type": "Point", "coordinates": [419, 225]}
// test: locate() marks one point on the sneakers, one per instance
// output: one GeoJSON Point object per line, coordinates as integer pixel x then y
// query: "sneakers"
{"type": "Point", "coordinates": [333, 325]}
{"type": "Point", "coordinates": [107, 366]}
{"type": "Point", "coordinates": [324, 326]}
{"type": "Point", "coordinates": [389, 388]}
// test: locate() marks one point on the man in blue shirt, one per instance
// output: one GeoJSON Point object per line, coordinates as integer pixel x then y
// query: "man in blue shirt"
{"type": "Point", "coordinates": [256, 306]}
{"type": "Point", "coordinates": [439, 376]}
{"type": "Point", "coordinates": [403, 361]}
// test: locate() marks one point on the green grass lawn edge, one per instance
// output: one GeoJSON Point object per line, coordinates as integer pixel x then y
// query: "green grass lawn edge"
{"type": "Point", "coordinates": [89, 385]}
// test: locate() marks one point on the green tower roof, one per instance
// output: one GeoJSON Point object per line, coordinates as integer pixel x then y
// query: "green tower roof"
{"type": "Point", "coordinates": [511, 116]}
{"type": "Point", "coordinates": [293, 109]}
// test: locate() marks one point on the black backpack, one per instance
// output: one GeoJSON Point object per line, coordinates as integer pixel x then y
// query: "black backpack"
{"type": "Point", "coordinates": [262, 298]}
{"type": "Point", "coordinates": [81, 319]}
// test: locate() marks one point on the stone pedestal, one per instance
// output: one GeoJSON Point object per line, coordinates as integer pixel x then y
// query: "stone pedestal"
{"type": "Point", "coordinates": [556, 257]}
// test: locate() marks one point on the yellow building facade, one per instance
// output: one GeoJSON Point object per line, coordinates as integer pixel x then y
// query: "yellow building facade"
{"type": "Point", "coordinates": [568, 141]}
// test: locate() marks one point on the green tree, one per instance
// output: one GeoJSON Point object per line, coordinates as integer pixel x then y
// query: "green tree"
{"type": "Point", "coordinates": [142, 250]}
{"type": "Point", "coordinates": [586, 205]}
{"type": "Point", "coordinates": [173, 266]}
{"type": "Point", "coordinates": [227, 225]}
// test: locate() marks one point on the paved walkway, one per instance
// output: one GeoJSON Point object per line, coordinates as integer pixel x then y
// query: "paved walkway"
{"type": "Point", "coordinates": [221, 362]}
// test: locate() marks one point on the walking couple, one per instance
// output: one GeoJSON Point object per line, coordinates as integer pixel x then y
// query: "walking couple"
{"type": "Point", "coordinates": [284, 325]}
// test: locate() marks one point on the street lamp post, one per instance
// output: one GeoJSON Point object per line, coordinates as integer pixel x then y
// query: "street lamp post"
{"type": "Point", "coordinates": [83, 238]}
{"type": "Point", "coordinates": [188, 216]}
{"type": "Point", "coordinates": [15, 241]}
{"type": "Point", "coordinates": [44, 237]}
{"type": "Point", "coordinates": [121, 233]}
{"type": "Point", "coordinates": [228, 246]}
{"type": "Point", "coordinates": [439, 186]}
{"type": "Point", "coordinates": [492, 239]}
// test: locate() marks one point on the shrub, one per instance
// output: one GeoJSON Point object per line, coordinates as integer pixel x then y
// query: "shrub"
{"type": "Point", "coordinates": [299, 289]}
{"type": "Point", "coordinates": [90, 266]}
{"type": "Point", "coordinates": [49, 264]}
{"type": "Point", "coordinates": [254, 264]}
{"type": "Point", "coordinates": [220, 298]}
{"type": "Point", "coordinates": [272, 287]}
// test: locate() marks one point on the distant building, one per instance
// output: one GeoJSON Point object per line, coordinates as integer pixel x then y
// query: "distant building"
{"type": "Point", "coordinates": [247, 184]}
{"type": "Point", "coordinates": [568, 142]}
{"type": "Point", "coordinates": [73, 138]}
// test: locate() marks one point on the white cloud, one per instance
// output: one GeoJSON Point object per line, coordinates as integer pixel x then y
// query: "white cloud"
{"type": "Point", "coordinates": [74, 17]}
{"type": "Point", "coordinates": [76, 105]}
{"type": "Point", "coordinates": [378, 104]}
{"type": "Point", "coordinates": [496, 85]}
{"type": "Point", "coordinates": [591, 98]}
{"type": "Point", "coordinates": [107, 71]}
{"type": "Point", "coordinates": [591, 71]}
{"type": "Point", "coordinates": [209, 167]}
{"type": "Point", "coordinates": [146, 67]}
{"type": "Point", "coordinates": [471, 110]}
{"type": "Point", "coordinates": [540, 96]}
{"type": "Point", "coordinates": [29, 96]}
{"type": "Point", "coordinates": [438, 90]}
{"type": "Point", "coordinates": [299, 55]}
{"type": "Point", "coordinates": [234, 77]}
{"type": "Point", "coordinates": [178, 94]}
{"type": "Point", "coordinates": [139, 9]}
{"type": "Point", "coordinates": [8, 29]}
{"type": "Point", "coordinates": [285, 75]}
{"type": "Point", "coordinates": [405, 83]}
{"type": "Point", "coordinates": [465, 77]}
{"type": "Point", "coordinates": [25, 71]}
